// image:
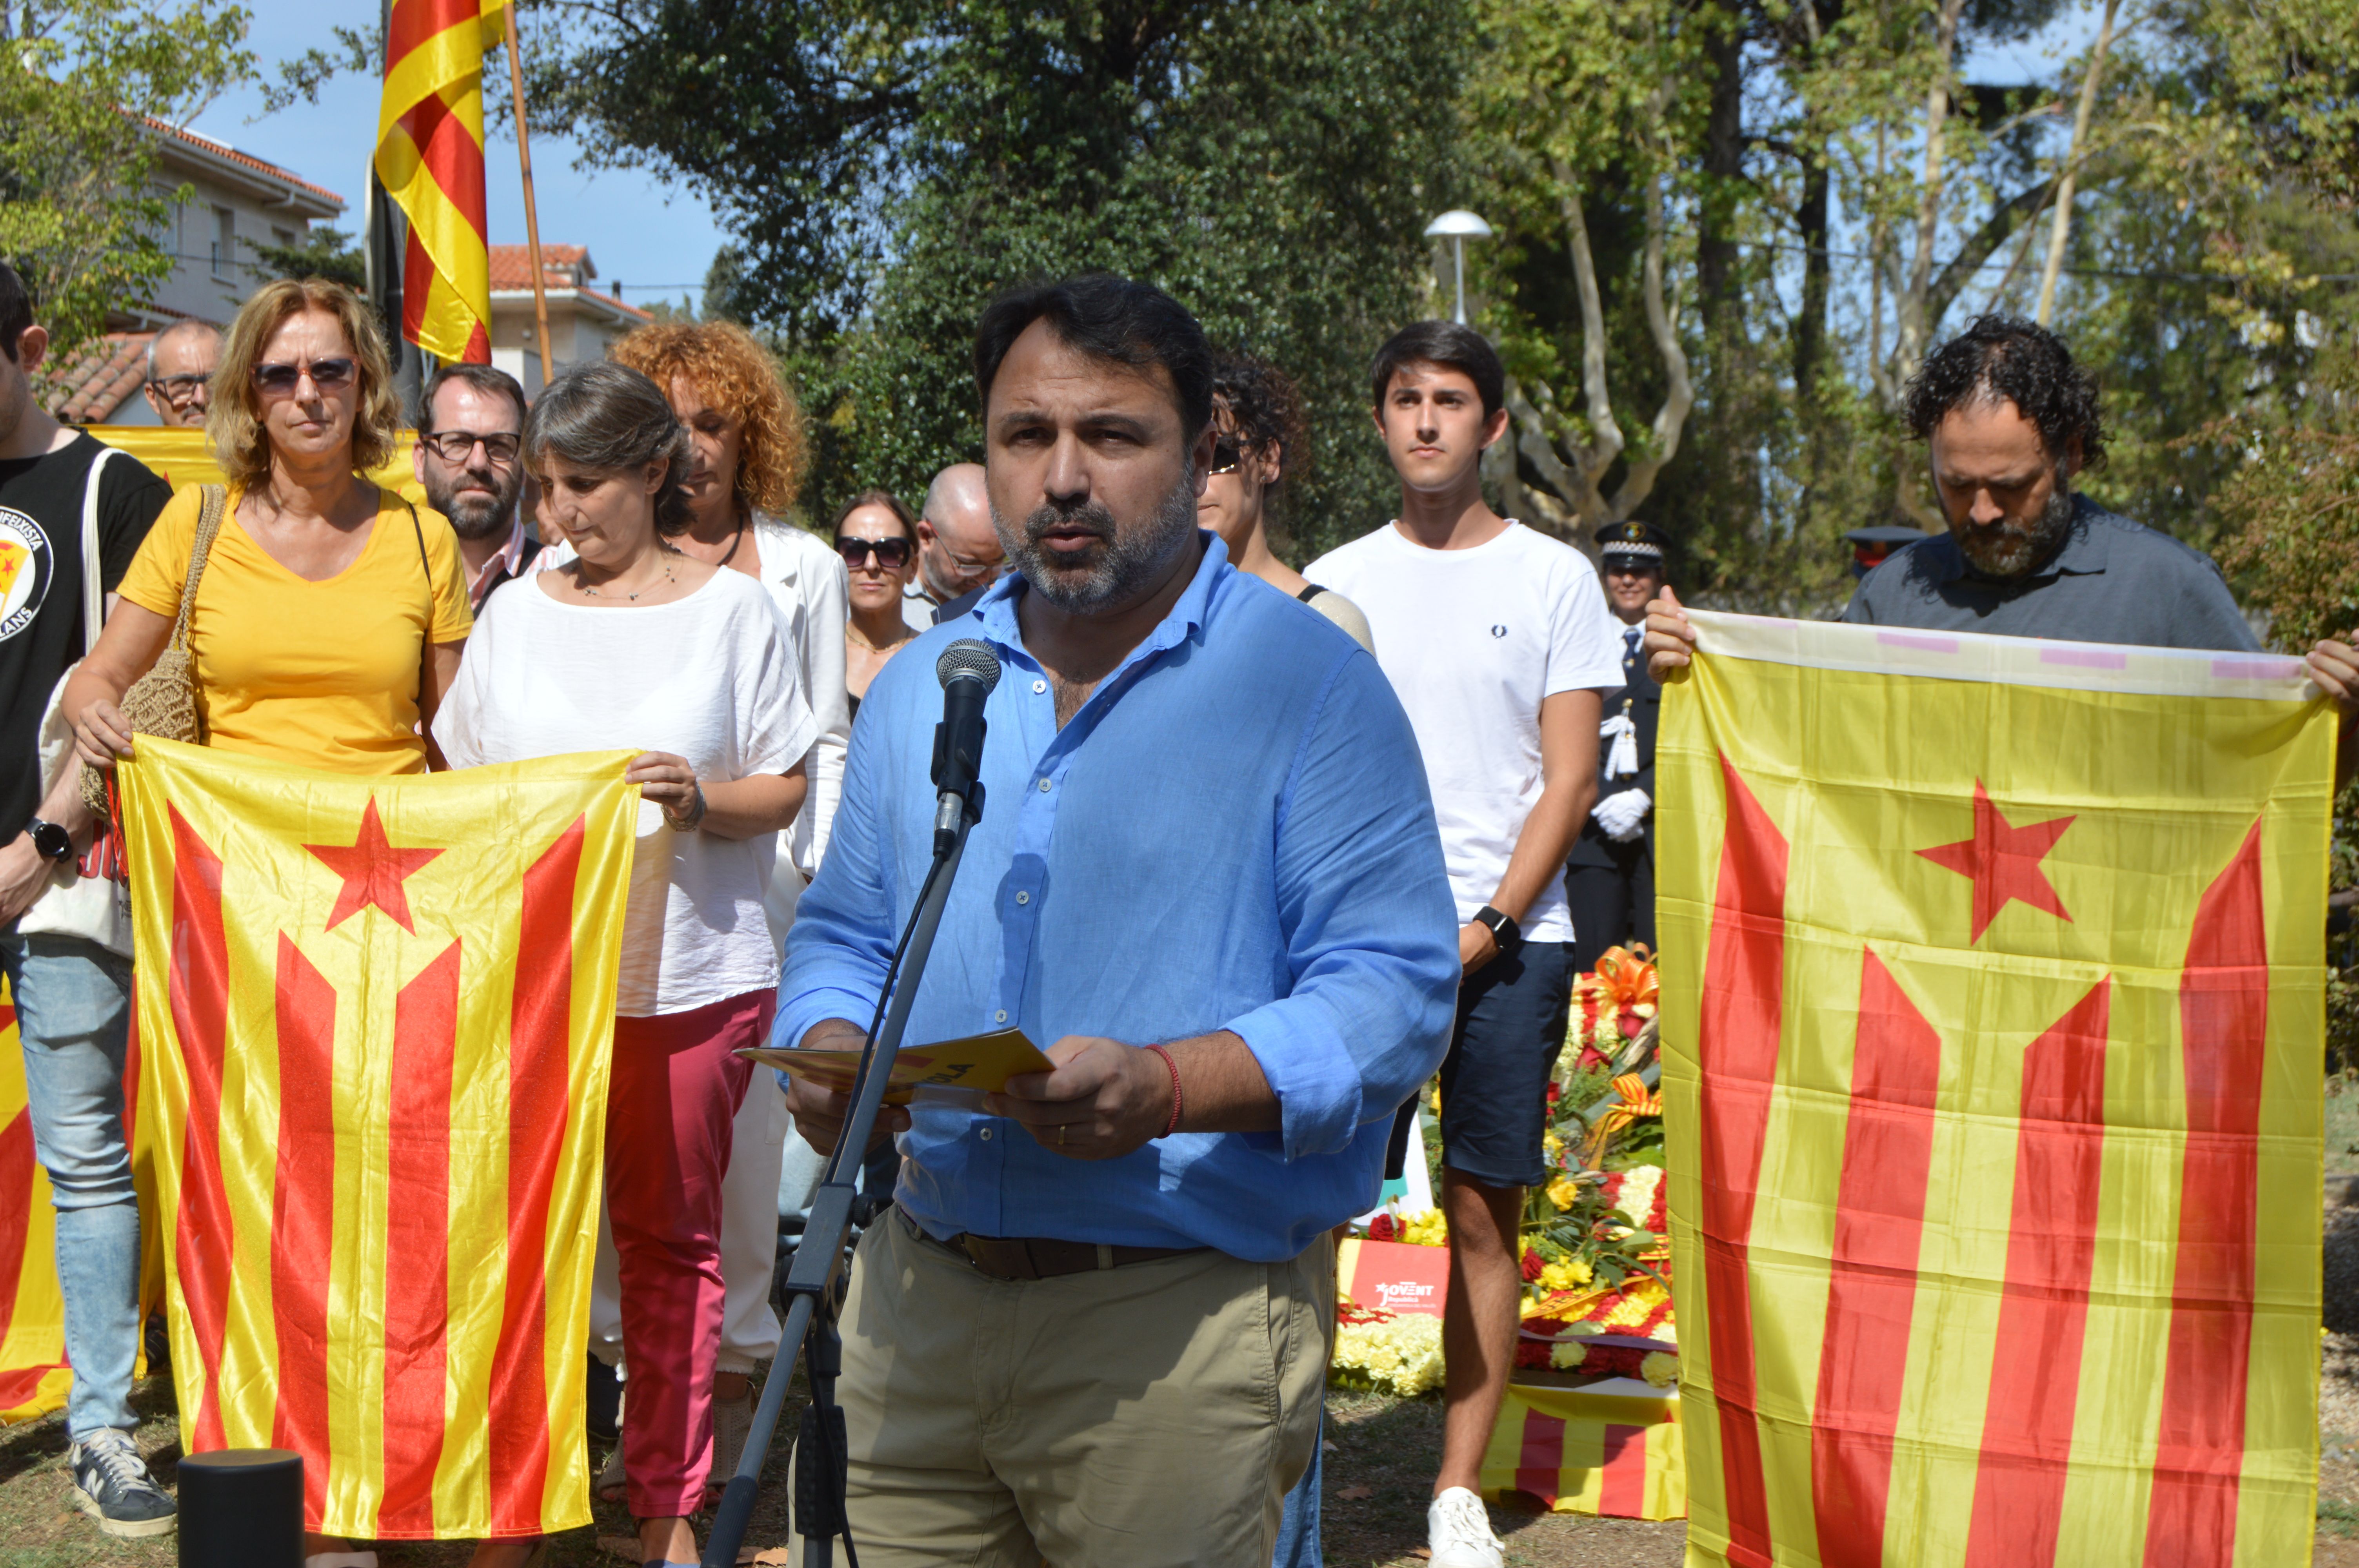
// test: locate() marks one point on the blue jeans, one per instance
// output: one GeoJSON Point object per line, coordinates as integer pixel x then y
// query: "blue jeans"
{"type": "Point", "coordinates": [73, 1014]}
{"type": "Point", "coordinates": [1298, 1528]}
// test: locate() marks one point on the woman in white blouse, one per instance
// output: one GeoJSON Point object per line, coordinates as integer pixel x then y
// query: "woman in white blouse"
{"type": "Point", "coordinates": [635, 644]}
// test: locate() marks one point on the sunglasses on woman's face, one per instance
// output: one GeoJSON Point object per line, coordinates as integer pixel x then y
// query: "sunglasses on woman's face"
{"type": "Point", "coordinates": [1227, 453]}
{"type": "Point", "coordinates": [280, 380]}
{"type": "Point", "coordinates": [891, 553]}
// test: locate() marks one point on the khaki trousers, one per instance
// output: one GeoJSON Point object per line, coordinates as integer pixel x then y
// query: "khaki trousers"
{"type": "Point", "coordinates": [1152, 1414]}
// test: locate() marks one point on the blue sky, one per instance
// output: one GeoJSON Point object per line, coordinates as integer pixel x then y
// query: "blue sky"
{"type": "Point", "coordinates": [639, 229]}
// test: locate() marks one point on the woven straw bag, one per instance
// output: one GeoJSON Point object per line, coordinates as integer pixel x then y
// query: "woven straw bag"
{"type": "Point", "coordinates": [164, 700]}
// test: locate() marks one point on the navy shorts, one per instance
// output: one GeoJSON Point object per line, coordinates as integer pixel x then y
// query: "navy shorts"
{"type": "Point", "coordinates": [1511, 1021]}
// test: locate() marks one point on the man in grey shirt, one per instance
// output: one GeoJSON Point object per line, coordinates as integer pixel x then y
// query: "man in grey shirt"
{"type": "Point", "coordinates": [2009, 419]}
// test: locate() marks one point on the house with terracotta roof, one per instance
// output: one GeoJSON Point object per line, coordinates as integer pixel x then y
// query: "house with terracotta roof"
{"type": "Point", "coordinates": [237, 201]}
{"type": "Point", "coordinates": [581, 320]}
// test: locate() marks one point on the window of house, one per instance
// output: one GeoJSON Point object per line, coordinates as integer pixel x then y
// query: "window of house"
{"type": "Point", "coordinates": [224, 242]}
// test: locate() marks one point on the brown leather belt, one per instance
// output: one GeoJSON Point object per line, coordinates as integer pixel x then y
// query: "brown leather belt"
{"type": "Point", "coordinates": [1045, 1258]}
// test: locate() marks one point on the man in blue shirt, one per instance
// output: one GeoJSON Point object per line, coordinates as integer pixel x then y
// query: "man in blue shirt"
{"type": "Point", "coordinates": [1209, 881]}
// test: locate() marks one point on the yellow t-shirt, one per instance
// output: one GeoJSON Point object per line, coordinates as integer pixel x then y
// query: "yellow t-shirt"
{"type": "Point", "coordinates": [323, 674]}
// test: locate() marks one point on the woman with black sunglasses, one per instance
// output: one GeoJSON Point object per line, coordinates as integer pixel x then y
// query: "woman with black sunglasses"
{"type": "Point", "coordinates": [879, 543]}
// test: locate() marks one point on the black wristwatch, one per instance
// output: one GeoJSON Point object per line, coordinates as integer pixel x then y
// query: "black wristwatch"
{"type": "Point", "coordinates": [51, 841]}
{"type": "Point", "coordinates": [1504, 929]}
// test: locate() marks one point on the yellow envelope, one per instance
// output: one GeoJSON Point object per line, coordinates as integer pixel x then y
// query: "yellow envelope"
{"type": "Point", "coordinates": [976, 1065]}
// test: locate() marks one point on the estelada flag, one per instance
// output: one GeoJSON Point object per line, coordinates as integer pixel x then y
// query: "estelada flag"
{"type": "Point", "coordinates": [1992, 1030]}
{"type": "Point", "coordinates": [377, 1015]}
{"type": "Point", "coordinates": [429, 156]}
{"type": "Point", "coordinates": [35, 1377]}
{"type": "Point", "coordinates": [1611, 1449]}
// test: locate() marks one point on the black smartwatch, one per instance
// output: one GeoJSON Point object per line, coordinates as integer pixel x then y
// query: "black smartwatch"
{"type": "Point", "coordinates": [1504, 929]}
{"type": "Point", "coordinates": [51, 841]}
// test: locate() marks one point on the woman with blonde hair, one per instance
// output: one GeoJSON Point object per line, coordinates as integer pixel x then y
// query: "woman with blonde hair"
{"type": "Point", "coordinates": [330, 613]}
{"type": "Point", "coordinates": [636, 643]}
{"type": "Point", "coordinates": [745, 463]}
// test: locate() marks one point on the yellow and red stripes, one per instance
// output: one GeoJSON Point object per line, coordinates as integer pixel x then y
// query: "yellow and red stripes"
{"type": "Point", "coordinates": [431, 159]}
{"type": "Point", "coordinates": [382, 1143]}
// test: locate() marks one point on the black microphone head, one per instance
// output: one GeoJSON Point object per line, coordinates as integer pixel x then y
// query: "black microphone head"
{"type": "Point", "coordinates": [969, 658]}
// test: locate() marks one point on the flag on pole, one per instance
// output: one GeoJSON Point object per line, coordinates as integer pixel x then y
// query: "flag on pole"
{"type": "Point", "coordinates": [1993, 1034]}
{"type": "Point", "coordinates": [429, 157]}
{"type": "Point", "coordinates": [377, 1015]}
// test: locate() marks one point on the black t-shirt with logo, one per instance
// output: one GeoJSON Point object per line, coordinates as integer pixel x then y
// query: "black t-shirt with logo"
{"type": "Point", "coordinates": [41, 591]}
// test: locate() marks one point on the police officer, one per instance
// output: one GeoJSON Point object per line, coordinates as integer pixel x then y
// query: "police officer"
{"type": "Point", "coordinates": [1610, 875]}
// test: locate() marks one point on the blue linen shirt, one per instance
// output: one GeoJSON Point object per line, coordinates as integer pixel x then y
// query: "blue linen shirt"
{"type": "Point", "coordinates": [1234, 832]}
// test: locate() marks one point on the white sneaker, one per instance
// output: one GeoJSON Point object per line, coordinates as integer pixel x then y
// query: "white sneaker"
{"type": "Point", "coordinates": [1458, 1528]}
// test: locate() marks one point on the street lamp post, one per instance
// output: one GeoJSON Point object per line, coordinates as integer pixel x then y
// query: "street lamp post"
{"type": "Point", "coordinates": [1461, 226]}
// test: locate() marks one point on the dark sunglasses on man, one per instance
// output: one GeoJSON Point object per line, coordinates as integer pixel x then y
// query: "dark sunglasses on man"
{"type": "Point", "coordinates": [177, 389]}
{"type": "Point", "coordinates": [891, 553]}
{"type": "Point", "coordinates": [328, 375]}
{"type": "Point", "coordinates": [457, 446]}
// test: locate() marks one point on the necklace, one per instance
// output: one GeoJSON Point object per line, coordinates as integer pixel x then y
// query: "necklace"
{"type": "Point", "coordinates": [592, 593]}
{"type": "Point", "coordinates": [854, 634]}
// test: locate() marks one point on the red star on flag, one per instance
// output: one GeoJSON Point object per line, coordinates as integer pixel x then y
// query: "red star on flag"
{"type": "Point", "coordinates": [2004, 862]}
{"type": "Point", "coordinates": [373, 870]}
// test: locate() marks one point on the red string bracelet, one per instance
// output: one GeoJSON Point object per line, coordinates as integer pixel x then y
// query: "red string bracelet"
{"type": "Point", "coordinates": [1174, 1067]}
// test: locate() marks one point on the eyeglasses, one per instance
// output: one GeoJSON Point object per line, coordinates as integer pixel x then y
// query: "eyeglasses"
{"type": "Point", "coordinates": [328, 375]}
{"type": "Point", "coordinates": [1227, 453]}
{"type": "Point", "coordinates": [178, 388]}
{"type": "Point", "coordinates": [891, 553]}
{"type": "Point", "coordinates": [457, 446]}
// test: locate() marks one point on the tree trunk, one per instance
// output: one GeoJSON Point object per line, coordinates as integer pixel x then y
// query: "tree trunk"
{"type": "Point", "coordinates": [1909, 352]}
{"type": "Point", "coordinates": [1810, 326]}
{"type": "Point", "coordinates": [2063, 227]}
{"type": "Point", "coordinates": [1723, 167]}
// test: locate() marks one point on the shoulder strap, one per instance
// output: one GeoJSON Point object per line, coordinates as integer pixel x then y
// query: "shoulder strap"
{"type": "Point", "coordinates": [94, 569]}
{"type": "Point", "coordinates": [215, 504]}
{"type": "Point", "coordinates": [1311, 590]}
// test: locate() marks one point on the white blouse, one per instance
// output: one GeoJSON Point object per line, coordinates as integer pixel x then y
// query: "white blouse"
{"type": "Point", "coordinates": [710, 678]}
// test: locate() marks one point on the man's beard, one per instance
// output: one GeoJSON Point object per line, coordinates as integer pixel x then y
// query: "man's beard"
{"type": "Point", "coordinates": [474, 517]}
{"type": "Point", "coordinates": [2006, 550]}
{"type": "Point", "coordinates": [1109, 572]}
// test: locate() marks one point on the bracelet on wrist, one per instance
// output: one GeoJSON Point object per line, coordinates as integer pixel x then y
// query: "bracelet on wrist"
{"type": "Point", "coordinates": [1173, 1068]}
{"type": "Point", "coordinates": [686, 822]}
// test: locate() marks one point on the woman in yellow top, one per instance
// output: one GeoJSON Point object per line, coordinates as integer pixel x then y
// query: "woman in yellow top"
{"type": "Point", "coordinates": [328, 624]}
{"type": "Point", "coordinates": [330, 615]}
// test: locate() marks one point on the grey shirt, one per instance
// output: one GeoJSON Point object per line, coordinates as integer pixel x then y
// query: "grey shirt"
{"type": "Point", "coordinates": [2114, 581]}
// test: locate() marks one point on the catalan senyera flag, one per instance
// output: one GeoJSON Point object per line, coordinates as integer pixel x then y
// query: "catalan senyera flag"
{"type": "Point", "coordinates": [1993, 1015]}
{"type": "Point", "coordinates": [377, 1014]}
{"type": "Point", "coordinates": [35, 1377]}
{"type": "Point", "coordinates": [429, 157]}
{"type": "Point", "coordinates": [1612, 1450]}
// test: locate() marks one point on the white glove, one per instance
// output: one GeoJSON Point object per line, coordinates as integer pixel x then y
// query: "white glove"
{"type": "Point", "coordinates": [1623, 816]}
{"type": "Point", "coordinates": [1622, 760]}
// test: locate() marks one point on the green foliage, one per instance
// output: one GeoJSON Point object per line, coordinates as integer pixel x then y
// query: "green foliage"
{"type": "Point", "coordinates": [887, 168]}
{"type": "Point", "coordinates": [324, 252]}
{"type": "Point", "coordinates": [79, 217]}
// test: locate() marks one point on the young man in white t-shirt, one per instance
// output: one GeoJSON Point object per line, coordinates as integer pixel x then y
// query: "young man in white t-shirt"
{"type": "Point", "coordinates": [1499, 644]}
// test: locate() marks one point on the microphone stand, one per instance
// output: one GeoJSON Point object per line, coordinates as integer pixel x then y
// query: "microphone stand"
{"type": "Point", "coordinates": [810, 1286]}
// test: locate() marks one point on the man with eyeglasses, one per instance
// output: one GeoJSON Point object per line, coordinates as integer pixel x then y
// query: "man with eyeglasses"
{"type": "Point", "coordinates": [958, 548]}
{"type": "Point", "coordinates": [180, 360]}
{"type": "Point", "coordinates": [466, 458]}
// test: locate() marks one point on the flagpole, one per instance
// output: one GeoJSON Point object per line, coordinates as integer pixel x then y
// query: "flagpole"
{"type": "Point", "coordinates": [531, 218]}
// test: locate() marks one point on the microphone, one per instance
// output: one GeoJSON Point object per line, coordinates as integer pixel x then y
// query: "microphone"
{"type": "Point", "coordinates": [968, 669]}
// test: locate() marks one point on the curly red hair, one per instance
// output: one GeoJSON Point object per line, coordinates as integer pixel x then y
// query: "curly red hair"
{"type": "Point", "coordinates": [733, 371]}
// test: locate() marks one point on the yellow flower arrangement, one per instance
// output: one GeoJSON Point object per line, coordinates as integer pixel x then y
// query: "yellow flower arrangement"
{"type": "Point", "coordinates": [1659, 1369]}
{"type": "Point", "coordinates": [1395, 1353]}
{"type": "Point", "coordinates": [1567, 1275]}
{"type": "Point", "coordinates": [1430, 1228]}
{"type": "Point", "coordinates": [1563, 1192]}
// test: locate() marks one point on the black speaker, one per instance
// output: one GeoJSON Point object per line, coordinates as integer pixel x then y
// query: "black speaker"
{"type": "Point", "coordinates": [242, 1508]}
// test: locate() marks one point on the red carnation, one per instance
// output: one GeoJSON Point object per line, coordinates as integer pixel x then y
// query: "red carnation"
{"type": "Point", "coordinates": [1532, 1266]}
{"type": "Point", "coordinates": [1532, 1353]}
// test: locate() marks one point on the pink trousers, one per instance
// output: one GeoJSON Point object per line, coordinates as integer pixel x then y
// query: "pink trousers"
{"type": "Point", "coordinates": [677, 1085]}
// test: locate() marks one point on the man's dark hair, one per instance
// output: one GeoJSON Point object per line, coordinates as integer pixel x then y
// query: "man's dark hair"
{"type": "Point", "coordinates": [483, 378]}
{"type": "Point", "coordinates": [15, 310]}
{"type": "Point", "coordinates": [1106, 318]}
{"type": "Point", "coordinates": [1264, 407]}
{"type": "Point", "coordinates": [1452, 346]}
{"type": "Point", "coordinates": [2005, 359]}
